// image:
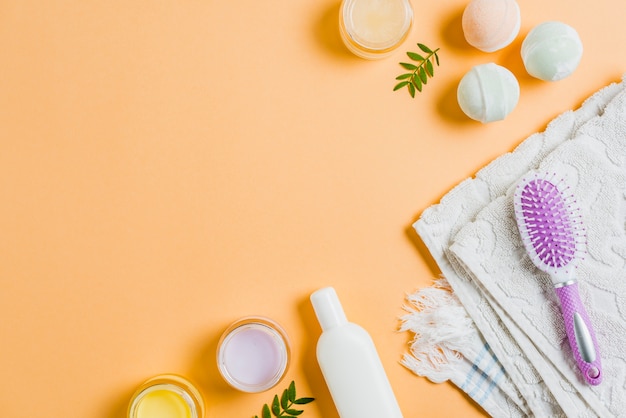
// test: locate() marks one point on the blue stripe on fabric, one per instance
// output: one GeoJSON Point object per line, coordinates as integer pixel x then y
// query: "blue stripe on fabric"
{"type": "Point", "coordinates": [483, 379]}
{"type": "Point", "coordinates": [491, 386]}
{"type": "Point", "coordinates": [483, 375]}
{"type": "Point", "coordinates": [494, 360]}
{"type": "Point", "coordinates": [475, 364]}
{"type": "Point", "coordinates": [495, 380]}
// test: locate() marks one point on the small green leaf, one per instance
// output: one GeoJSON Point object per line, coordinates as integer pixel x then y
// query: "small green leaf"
{"type": "Point", "coordinates": [425, 48]}
{"type": "Point", "coordinates": [266, 411]}
{"type": "Point", "coordinates": [292, 391]}
{"type": "Point", "coordinates": [276, 406]}
{"type": "Point", "coordinates": [436, 59]}
{"type": "Point", "coordinates": [429, 69]}
{"type": "Point", "coordinates": [284, 400]}
{"type": "Point", "coordinates": [418, 84]}
{"type": "Point", "coordinates": [422, 74]}
{"type": "Point", "coordinates": [293, 412]}
{"type": "Point", "coordinates": [404, 76]}
{"type": "Point", "coordinates": [415, 56]}
{"type": "Point", "coordinates": [303, 401]}
{"type": "Point", "coordinates": [408, 66]}
{"type": "Point", "coordinates": [412, 90]}
{"type": "Point", "coordinates": [400, 85]}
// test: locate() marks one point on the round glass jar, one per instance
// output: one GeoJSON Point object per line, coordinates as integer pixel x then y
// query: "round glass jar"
{"type": "Point", "coordinates": [253, 354]}
{"type": "Point", "coordinates": [166, 396]}
{"type": "Point", "coordinates": [373, 29]}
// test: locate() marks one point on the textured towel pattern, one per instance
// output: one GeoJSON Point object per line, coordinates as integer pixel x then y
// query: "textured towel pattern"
{"type": "Point", "coordinates": [473, 236]}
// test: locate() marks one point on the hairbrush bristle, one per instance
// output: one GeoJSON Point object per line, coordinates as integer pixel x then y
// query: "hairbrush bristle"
{"type": "Point", "coordinates": [549, 221]}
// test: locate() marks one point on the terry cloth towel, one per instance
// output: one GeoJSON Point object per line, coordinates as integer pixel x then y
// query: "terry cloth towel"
{"type": "Point", "coordinates": [515, 359]}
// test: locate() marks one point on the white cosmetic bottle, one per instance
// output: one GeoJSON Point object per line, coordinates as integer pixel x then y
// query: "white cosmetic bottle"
{"type": "Point", "coordinates": [350, 364]}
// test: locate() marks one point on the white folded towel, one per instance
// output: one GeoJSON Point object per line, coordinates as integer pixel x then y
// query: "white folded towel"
{"type": "Point", "coordinates": [473, 237]}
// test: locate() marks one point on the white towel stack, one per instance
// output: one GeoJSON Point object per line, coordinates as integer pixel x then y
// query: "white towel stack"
{"type": "Point", "coordinates": [493, 325]}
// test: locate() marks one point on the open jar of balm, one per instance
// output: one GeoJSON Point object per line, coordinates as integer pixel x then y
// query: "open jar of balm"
{"type": "Point", "coordinates": [253, 354]}
{"type": "Point", "coordinates": [372, 29]}
{"type": "Point", "coordinates": [166, 396]}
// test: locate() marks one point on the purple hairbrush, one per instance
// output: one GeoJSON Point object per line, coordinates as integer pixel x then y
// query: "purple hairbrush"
{"type": "Point", "coordinates": [551, 229]}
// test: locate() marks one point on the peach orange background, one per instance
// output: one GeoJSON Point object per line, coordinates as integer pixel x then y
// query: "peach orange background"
{"type": "Point", "coordinates": [169, 166]}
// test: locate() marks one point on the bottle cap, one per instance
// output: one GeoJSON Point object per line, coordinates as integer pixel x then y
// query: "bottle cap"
{"type": "Point", "coordinates": [328, 308]}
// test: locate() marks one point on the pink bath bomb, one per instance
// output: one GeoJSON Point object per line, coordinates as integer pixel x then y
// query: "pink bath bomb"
{"type": "Point", "coordinates": [490, 25]}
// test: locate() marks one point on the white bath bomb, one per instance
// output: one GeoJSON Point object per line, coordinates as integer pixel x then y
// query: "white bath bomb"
{"type": "Point", "coordinates": [488, 92]}
{"type": "Point", "coordinates": [490, 25]}
{"type": "Point", "coordinates": [551, 51]}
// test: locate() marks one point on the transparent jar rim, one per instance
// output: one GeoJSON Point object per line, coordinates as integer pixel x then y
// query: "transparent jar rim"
{"type": "Point", "coordinates": [353, 41]}
{"type": "Point", "coordinates": [276, 331]}
{"type": "Point", "coordinates": [173, 383]}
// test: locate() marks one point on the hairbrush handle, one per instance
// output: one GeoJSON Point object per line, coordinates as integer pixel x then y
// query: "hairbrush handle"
{"type": "Point", "coordinates": [580, 333]}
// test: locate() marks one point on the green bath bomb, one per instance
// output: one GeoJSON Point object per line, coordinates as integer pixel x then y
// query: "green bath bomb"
{"type": "Point", "coordinates": [488, 93]}
{"type": "Point", "coordinates": [551, 51]}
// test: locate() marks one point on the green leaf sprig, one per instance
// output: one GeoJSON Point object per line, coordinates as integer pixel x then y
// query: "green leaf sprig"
{"type": "Point", "coordinates": [284, 407]}
{"type": "Point", "coordinates": [419, 74]}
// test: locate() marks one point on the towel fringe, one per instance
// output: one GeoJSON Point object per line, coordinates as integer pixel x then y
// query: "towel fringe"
{"type": "Point", "coordinates": [442, 329]}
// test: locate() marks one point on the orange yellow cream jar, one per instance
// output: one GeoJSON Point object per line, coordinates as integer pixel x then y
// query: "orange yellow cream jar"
{"type": "Point", "coordinates": [166, 396]}
{"type": "Point", "coordinates": [373, 29]}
